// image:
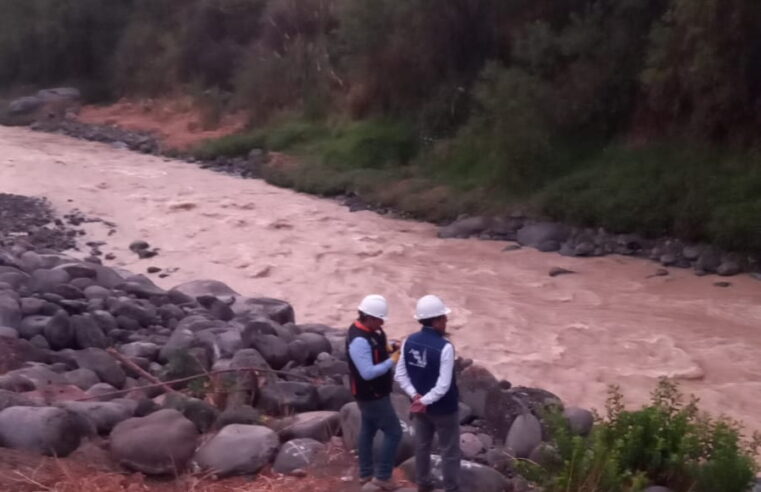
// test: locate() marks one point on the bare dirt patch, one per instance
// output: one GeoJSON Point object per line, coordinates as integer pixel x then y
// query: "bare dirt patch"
{"type": "Point", "coordinates": [178, 123]}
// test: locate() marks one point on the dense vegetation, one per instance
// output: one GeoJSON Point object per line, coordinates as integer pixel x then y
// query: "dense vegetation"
{"type": "Point", "coordinates": [630, 114]}
{"type": "Point", "coordinates": [668, 443]}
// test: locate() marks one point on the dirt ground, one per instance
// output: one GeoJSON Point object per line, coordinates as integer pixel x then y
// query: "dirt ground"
{"type": "Point", "coordinates": [90, 469]}
{"type": "Point", "coordinates": [177, 122]}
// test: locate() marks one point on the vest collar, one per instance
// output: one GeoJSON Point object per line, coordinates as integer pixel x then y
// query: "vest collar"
{"type": "Point", "coordinates": [362, 327]}
{"type": "Point", "coordinates": [432, 330]}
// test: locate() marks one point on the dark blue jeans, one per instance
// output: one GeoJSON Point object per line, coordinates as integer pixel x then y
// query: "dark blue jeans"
{"type": "Point", "coordinates": [378, 415]}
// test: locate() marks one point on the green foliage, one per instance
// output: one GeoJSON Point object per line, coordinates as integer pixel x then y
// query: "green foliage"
{"type": "Point", "coordinates": [699, 193]}
{"type": "Point", "coordinates": [669, 443]}
{"type": "Point", "coordinates": [230, 146]}
{"type": "Point", "coordinates": [370, 144]}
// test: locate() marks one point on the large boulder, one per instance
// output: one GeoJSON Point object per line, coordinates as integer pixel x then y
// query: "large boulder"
{"type": "Point", "coordinates": [297, 454]}
{"type": "Point", "coordinates": [288, 397]}
{"type": "Point", "coordinates": [104, 415]}
{"type": "Point", "coordinates": [238, 450]}
{"type": "Point", "coordinates": [315, 345]}
{"type": "Point", "coordinates": [46, 280]}
{"type": "Point", "coordinates": [504, 405]}
{"type": "Point", "coordinates": [185, 335]}
{"type": "Point", "coordinates": [198, 288]}
{"type": "Point", "coordinates": [46, 430]}
{"type": "Point", "coordinates": [333, 396]}
{"type": "Point", "coordinates": [24, 106]}
{"type": "Point", "coordinates": [144, 350]}
{"type": "Point", "coordinates": [541, 234]}
{"type": "Point", "coordinates": [202, 414]}
{"type": "Point", "coordinates": [159, 444]}
{"type": "Point", "coordinates": [278, 311]}
{"type": "Point", "coordinates": [580, 420]}
{"type": "Point", "coordinates": [320, 426]}
{"type": "Point", "coordinates": [102, 364]}
{"type": "Point", "coordinates": [474, 383]}
{"type": "Point", "coordinates": [525, 434]}
{"type": "Point", "coordinates": [473, 476]}
{"type": "Point", "coordinates": [273, 349]}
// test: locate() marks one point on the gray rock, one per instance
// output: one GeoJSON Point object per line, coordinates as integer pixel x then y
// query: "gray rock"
{"type": "Point", "coordinates": [70, 94]}
{"type": "Point", "coordinates": [297, 454]}
{"type": "Point", "coordinates": [45, 280]}
{"type": "Point", "coordinates": [471, 446]}
{"type": "Point", "coordinates": [504, 405]}
{"type": "Point", "coordinates": [102, 391]}
{"type": "Point", "coordinates": [580, 420]}
{"type": "Point", "coordinates": [320, 426]}
{"type": "Point", "coordinates": [298, 352]}
{"type": "Point", "coordinates": [524, 435]}
{"type": "Point", "coordinates": [278, 311]}
{"type": "Point", "coordinates": [38, 375]}
{"type": "Point", "coordinates": [474, 384]}
{"type": "Point", "coordinates": [709, 260]}
{"type": "Point", "coordinates": [82, 378]}
{"type": "Point", "coordinates": [78, 270]}
{"type": "Point", "coordinates": [145, 350]}
{"type": "Point", "coordinates": [315, 345]}
{"type": "Point", "coordinates": [287, 397]}
{"type": "Point", "coordinates": [8, 332]}
{"type": "Point", "coordinates": [40, 342]}
{"type": "Point", "coordinates": [243, 414]}
{"type": "Point", "coordinates": [728, 267]}
{"type": "Point", "coordinates": [547, 456]}
{"type": "Point", "coordinates": [25, 106]}
{"type": "Point", "coordinates": [273, 349]}
{"type": "Point", "coordinates": [33, 325]}
{"type": "Point", "coordinates": [59, 332]}
{"type": "Point", "coordinates": [104, 415]}
{"type": "Point", "coordinates": [477, 477]}
{"type": "Point", "coordinates": [10, 311]}
{"type": "Point", "coordinates": [88, 333]}
{"type": "Point", "coordinates": [238, 450]}
{"type": "Point", "coordinates": [102, 364]}
{"type": "Point", "coordinates": [46, 430]}
{"type": "Point", "coordinates": [13, 399]}
{"type": "Point", "coordinates": [197, 288]}
{"type": "Point", "coordinates": [692, 252]}
{"type": "Point", "coordinates": [542, 233]}
{"type": "Point", "coordinates": [333, 396]}
{"type": "Point", "coordinates": [585, 248]}
{"type": "Point", "coordinates": [465, 227]}
{"type": "Point", "coordinates": [160, 444]}
{"type": "Point", "coordinates": [31, 305]}
{"type": "Point", "coordinates": [96, 292]}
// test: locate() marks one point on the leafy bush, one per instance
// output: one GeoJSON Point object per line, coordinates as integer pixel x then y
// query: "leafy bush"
{"type": "Point", "coordinates": [668, 443]}
{"type": "Point", "coordinates": [370, 144]}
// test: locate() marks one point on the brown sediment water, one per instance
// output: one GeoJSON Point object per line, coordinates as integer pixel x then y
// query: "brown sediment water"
{"type": "Point", "coordinates": [573, 334]}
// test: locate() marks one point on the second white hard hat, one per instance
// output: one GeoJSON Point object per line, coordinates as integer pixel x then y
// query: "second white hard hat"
{"type": "Point", "coordinates": [374, 305]}
{"type": "Point", "coordinates": [430, 306]}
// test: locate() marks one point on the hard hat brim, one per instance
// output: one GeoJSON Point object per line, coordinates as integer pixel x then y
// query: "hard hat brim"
{"type": "Point", "coordinates": [446, 312]}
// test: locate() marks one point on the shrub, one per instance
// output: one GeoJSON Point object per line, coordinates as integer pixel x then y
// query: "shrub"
{"type": "Point", "coordinates": [669, 443]}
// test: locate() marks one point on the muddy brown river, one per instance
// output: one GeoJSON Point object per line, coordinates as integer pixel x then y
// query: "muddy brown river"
{"type": "Point", "coordinates": [573, 334]}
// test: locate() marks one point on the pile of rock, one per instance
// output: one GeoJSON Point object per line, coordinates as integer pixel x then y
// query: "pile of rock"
{"type": "Point", "coordinates": [586, 242]}
{"type": "Point", "coordinates": [138, 141]}
{"type": "Point", "coordinates": [46, 105]}
{"type": "Point", "coordinates": [60, 318]}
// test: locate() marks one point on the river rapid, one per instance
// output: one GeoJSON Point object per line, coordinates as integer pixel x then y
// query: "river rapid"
{"type": "Point", "coordinates": [573, 334]}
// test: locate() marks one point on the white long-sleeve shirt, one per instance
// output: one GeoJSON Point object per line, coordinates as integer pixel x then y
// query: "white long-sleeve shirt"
{"type": "Point", "coordinates": [444, 381]}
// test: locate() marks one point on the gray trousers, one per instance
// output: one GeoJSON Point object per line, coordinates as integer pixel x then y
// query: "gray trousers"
{"type": "Point", "coordinates": [447, 427]}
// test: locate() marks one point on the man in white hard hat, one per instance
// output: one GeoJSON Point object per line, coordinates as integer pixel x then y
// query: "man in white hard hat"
{"type": "Point", "coordinates": [426, 373]}
{"type": "Point", "coordinates": [370, 370]}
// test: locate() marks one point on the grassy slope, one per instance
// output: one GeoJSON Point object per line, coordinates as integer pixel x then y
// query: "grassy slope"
{"type": "Point", "coordinates": [665, 189]}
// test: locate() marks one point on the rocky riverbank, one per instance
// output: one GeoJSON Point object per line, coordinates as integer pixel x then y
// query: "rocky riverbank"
{"type": "Point", "coordinates": [202, 376]}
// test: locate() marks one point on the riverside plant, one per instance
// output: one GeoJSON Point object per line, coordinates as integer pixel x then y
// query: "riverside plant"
{"type": "Point", "coordinates": [668, 442]}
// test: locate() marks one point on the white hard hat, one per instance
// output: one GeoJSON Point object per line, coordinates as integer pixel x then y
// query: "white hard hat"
{"type": "Point", "coordinates": [430, 306]}
{"type": "Point", "coordinates": [374, 305]}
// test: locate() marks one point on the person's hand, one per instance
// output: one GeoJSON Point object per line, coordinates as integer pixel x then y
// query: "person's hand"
{"type": "Point", "coordinates": [417, 406]}
{"type": "Point", "coordinates": [394, 356]}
